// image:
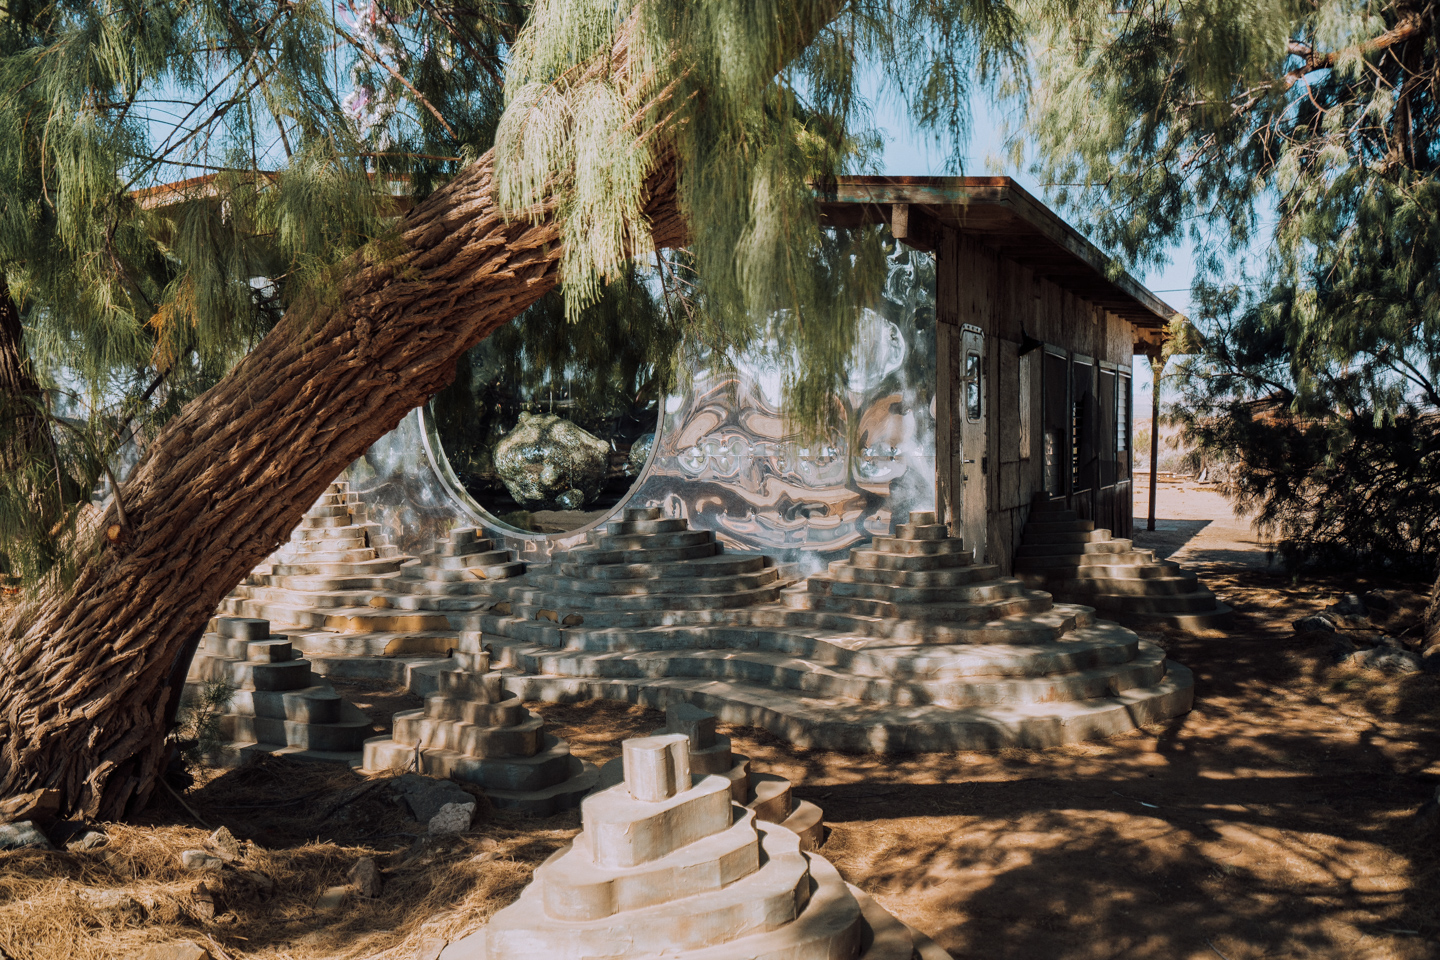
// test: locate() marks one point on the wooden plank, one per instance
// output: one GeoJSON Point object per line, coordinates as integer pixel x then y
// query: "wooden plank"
{"type": "Point", "coordinates": [946, 333]}
{"type": "Point", "coordinates": [997, 205]}
{"type": "Point", "coordinates": [900, 220]}
{"type": "Point", "coordinates": [1006, 408]}
{"type": "Point", "coordinates": [1010, 496]}
{"type": "Point", "coordinates": [1000, 537]}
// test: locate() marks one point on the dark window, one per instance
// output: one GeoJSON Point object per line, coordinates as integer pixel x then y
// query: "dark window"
{"type": "Point", "coordinates": [1056, 387]}
{"type": "Point", "coordinates": [972, 387]}
{"type": "Point", "coordinates": [1083, 414]}
{"type": "Point", "coordinates": [1105, 434]}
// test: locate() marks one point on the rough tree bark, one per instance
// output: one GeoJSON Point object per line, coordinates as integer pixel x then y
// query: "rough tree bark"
{"type": "Point", "coordinates": [84, 673]}
{"type": "Point", "coordinates": [85, 679]}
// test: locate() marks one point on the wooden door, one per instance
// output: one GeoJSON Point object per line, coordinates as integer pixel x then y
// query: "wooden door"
{"type": "Point", "coordinates": [971, 439]}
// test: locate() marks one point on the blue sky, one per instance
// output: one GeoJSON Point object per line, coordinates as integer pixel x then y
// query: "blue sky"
{"type": "Point", "coordinates": [907, 154]}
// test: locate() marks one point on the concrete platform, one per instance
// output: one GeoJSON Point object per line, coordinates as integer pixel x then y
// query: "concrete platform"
{"type": "Point", "coordinates": [1127, 585]}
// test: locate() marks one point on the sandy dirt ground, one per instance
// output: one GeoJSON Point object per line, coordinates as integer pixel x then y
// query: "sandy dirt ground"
{"type": "Point", "coordinates": [1196, 526]}
{"type": "Point", "coordinates": [1278, 819]}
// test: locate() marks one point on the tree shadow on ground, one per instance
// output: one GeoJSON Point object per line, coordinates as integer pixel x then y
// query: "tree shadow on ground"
{"type": "Point", "coordinates": [1168, 535]}
{"type": "Point", "coordinates": [1274, 819]}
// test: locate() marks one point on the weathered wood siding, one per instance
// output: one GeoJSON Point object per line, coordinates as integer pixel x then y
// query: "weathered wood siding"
{"type": "Point", "coordinates": [1009, 302]}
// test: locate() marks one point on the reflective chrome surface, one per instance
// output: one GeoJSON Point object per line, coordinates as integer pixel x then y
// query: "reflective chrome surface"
{"type": "Point", "coordinates": [722, 457]}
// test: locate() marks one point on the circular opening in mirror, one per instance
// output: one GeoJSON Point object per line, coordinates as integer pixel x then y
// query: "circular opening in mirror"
{"type": "Point", "coordinates": [549, 423]}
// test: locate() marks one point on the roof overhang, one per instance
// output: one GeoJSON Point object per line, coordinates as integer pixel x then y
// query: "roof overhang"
{"type": "Point", "coordinates": [999, 213]}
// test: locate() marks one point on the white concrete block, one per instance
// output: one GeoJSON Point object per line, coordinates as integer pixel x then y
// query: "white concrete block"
{"type": "Point", "coordinates": [657, 768]}
{"type": "Point", "coordinates": [623, 831]}
{"type": "Point", "coordinates": [697, 724]}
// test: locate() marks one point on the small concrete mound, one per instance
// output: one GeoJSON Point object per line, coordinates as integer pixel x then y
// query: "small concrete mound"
{"type": "Point", "coordinates": [277, 706]}
{"type": "Point", "coordinates": [668, 865]}
{"type": "Point", "coordinates": [635, 570]}
{"type": "Point", "coordinates": [475, 731]}
{"type": "Point", "coordinates": [769, 796]}
{"type": "Point", "coordinates": [1078, 563]}
{"type": "Point", "coordinates": [327, 575]}
{"type": "Point", "coordinates": [460, 560]}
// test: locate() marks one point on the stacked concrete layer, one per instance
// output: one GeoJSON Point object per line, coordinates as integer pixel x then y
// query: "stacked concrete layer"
{"type": "Point", "coordinates": [666, 864]}
{"type": "Point", "coordinates": [277, 705]}
{"type": "Point", "coordinates": [770, 797]}
{"type": "Point", "coordinates": [475, 731]}
{"type": "Point", "coordinates": [906, 646]}
{"type": "Point", "coordinates": [329, 578]}
{"type": "Point", "coordinates": [634, 572]}
{"type": "Point", "coordinates": [1073, 560]}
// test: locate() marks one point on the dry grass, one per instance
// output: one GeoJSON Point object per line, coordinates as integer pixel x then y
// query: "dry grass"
{"type": "Point", "coordinates": [299, 841]}
{"type": "Point", "coordinates": [1274, 820]}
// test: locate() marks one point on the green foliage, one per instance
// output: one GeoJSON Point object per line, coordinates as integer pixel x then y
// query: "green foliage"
{"type": "Point", "coordinates": [1309, 131]}
{"type": "Point", "coordinates": [755, 103]}
{"type": "Point", "coordinates": [197, 722]}
{"type": "Point", "coordinates": [1336, 491]}
{"type": "Point", "coordinates": [173, 175]}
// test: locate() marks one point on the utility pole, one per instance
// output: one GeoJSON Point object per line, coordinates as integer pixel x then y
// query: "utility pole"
{"type": "Point", "coordinates": [1157, 366]}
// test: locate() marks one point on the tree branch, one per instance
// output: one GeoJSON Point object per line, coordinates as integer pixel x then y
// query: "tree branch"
{"type": "Point", "coordinates": [1406, 28]}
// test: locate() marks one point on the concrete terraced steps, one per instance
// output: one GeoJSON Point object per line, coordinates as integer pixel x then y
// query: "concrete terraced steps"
{"type": "Point", "coordinates": [277, 705]}
{"type": "Point", "coordinates": [637, 571]}
{"type": "Point", "coordinates": [667, 864]}
{"type": "Point", "coordinates": [459, 564]}
{"type": "Point", "coordinates": [769, 796]}
{"type": "Point", "coordinates": [1078, 563]}
{"type": "Point", "coordinates": [475, 731]}
{"type": "Point", "coordinates": [329, 577]}
{"type": "Point", "coordinates": [905, 646]}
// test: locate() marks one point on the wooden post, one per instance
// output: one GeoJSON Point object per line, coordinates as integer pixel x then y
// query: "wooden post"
{"type": "Point", "coordinates": [947, 339]}
{"type": "Point", "coordinates": [1157, 366]}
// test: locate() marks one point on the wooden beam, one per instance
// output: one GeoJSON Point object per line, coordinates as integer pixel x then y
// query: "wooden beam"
{"type": "Point", "coordinates": [900, 221]}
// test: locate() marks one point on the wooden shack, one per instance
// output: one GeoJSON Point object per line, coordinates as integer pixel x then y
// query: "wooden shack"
{"type": "Point", "coordinates": [1035, 340]}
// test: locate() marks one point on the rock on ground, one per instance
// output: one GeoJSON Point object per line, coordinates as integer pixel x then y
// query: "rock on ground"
{"type": "Point", "coordinates": [365, 877]}
{"type": "Point", "coordinates": [223, 844]}
{"type": "Point", "coordinates": [1386, 659]}
{"type": "Point", "coordinates": [199, 860]}
{"type": "Point", "coordinates": [452, 818]}
{"type": "Point", "coordinates": [23, 835]}
{"type": "Point", "coordinates": [181, 950]}
{"type": "Point", "coordinates": [426, 795]}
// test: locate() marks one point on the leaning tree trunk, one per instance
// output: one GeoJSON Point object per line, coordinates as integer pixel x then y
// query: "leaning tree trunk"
{"type": "Point", "coordinates": [85, 680]}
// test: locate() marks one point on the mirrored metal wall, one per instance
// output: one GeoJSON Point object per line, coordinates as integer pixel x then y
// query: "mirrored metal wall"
{"type": "Point", "coordinates": [722, 457]}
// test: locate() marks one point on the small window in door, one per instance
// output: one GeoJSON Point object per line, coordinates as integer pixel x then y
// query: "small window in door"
{"type": "Point", "coordinates": [1025, 406]}
{"type": "Point", "coordinates": [972, 387]}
